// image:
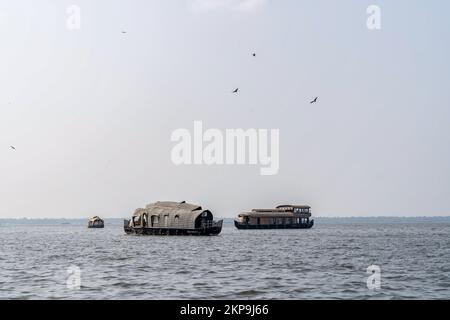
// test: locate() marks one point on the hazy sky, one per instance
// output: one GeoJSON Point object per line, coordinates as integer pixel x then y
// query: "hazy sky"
{"type": "Point", "coordinates": [91, 111]}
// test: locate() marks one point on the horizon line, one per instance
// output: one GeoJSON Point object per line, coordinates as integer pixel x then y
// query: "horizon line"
{"type": "Point", "coordinates": [314, 217]}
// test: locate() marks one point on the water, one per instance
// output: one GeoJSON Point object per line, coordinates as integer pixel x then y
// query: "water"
{"type": "Point", "coordinates": [326, 262]}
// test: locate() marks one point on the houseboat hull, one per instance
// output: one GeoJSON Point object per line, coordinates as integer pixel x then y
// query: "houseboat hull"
{"type": "Point", "coordinates": [96, 227]}
{"type": "Point", "coordinates": [209, 231]}
{"type": "Point", "coordinates": [245, 226]}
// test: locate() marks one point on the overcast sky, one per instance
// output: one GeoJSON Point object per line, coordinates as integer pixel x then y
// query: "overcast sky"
{"type": "Point", "coordinates": [91, 111]}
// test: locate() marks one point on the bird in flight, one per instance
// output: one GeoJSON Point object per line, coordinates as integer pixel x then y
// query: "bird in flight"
{"type": "Point", "coordinates": [236, 91]}
{"type": "Point", "coordinates": [12, 147]}
{"type": "Point", "coordinates": [124, 32]}
{"type": "Point", "coordinates": [254, 54]}
{"type": "Point", "coordinates": [315, 100]}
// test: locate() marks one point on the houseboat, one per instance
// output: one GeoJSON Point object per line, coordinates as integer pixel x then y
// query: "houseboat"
{"type": "Point", "coordinates": [282, 217]}
{"type": "Point", "coordinates": [172, 218]}
{"type": "Point", "coordinates": [96, 223]}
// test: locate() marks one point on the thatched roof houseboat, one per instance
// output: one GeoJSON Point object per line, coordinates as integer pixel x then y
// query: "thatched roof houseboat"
{"type": "Point", "coordinates": [283, 217]}
{"type": "Point", "coordinates": [96, 222]}
{"type": "Point", "coordinates": [172, 218]}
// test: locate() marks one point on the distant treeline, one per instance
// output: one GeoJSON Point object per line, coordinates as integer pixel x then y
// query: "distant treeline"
{"type": "Point", "coordinates": [381, 220]}
{"type": "Point", "coordinates": [29, 221]}
{"type": "Point", "coordinates": [318, 220]}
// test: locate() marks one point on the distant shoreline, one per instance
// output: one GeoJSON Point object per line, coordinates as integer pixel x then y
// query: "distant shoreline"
{"type": "Point", "coordinates": [319, 220]}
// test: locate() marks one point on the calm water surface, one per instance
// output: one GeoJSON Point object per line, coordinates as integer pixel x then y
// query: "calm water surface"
{"type": "Point", "coordinates": [326, 262]}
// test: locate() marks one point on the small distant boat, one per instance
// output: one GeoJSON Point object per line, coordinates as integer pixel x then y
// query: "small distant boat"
{"type": "Point", "coordinates": [283, 217]}
{"type": "Point", "coordinates": [173, 218]}
{"type": "Point", "coordinates": [96, 223]}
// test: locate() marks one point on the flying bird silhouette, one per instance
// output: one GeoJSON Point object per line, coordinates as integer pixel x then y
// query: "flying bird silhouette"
{"type": "Point", "coordinates": [12, 147]}
{"type": "Point", "coordinates": [315, 100]}
{"type": "Point", "coordinates": [124, 32]}
{"type": "Point", "coordinates": [236, 91]}
{"type": "Point", "coordinates": [254, 54]}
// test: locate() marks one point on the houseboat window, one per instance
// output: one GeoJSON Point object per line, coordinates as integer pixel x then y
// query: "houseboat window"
{"type": "Point", "coordinates": [144, 218]}
{"type": "Point", "coordinates": [258, 221]}
{"type": "Point", "coordinates": [154, 220]}
{"type": "Point", "coordinates": [166, 221]}
{"type": "Point", "coordinates": [177, 219]}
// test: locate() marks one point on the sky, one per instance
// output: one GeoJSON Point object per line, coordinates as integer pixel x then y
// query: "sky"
{"type": "Point", "coordinates": [91, 111]}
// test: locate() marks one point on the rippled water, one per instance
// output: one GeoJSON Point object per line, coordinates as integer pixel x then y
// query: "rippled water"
{"type": "Point", "coordinates": [326, 262]}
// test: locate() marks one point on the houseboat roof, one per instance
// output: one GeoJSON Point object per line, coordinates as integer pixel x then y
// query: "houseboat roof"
{"type": "Point", "coordinates": [95, 218]}
{"type": "Point", "coordinates": [294, 206]}
{"type": "Point", "coordinates": [275, 214]}
{"type": "Point", "coordinates": [283, 208]}
{"type": "Point", "coordinates": [286, 211]}
{"type": "Point", "coordinates": [184, 213]}
{"type": "Point", "coordinates": [169, 207]}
